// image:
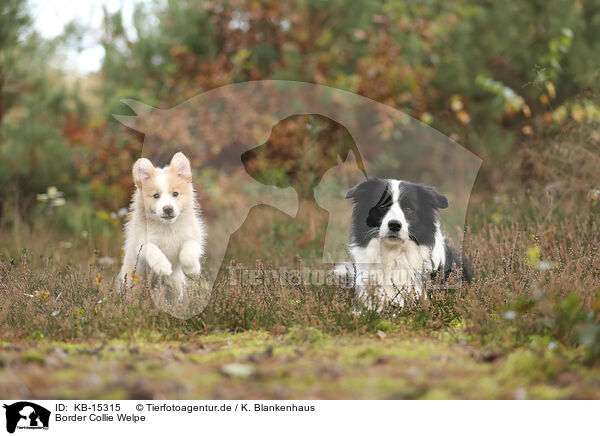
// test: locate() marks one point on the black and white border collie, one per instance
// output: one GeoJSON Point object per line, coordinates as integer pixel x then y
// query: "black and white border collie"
{"type": "Point", "coordinates": [396, 243]}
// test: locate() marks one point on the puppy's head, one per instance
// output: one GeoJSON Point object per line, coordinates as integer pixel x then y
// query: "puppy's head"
{"type": "Point", "coordinates": [167, 192]}
{"type": "Point", "coordinates": [395, 211]}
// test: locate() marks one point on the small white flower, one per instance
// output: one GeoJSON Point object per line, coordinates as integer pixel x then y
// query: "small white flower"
{"type": "Point", "coordinates": [544, 265]}
{"type": "Point", "coordinates": [510, 315]}
{"type": "Point", "coordinates": [56, 312]}
{"type": "Point", "coordinates": [57, 202]}
{"type": "Point", "coordinates": [107, 260]}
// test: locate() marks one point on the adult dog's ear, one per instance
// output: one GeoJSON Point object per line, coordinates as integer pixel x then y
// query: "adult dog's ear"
{"type": "Point", "coordinates": [143, 170]}
{"type": "Point", "coordinates": [437, 200]}
{"type": "Point", "coordinates": [361, 187]}
{"type": "Point", "coordinates": [181, 166]}
{"type": "Point", "coordinates": [352, 191]}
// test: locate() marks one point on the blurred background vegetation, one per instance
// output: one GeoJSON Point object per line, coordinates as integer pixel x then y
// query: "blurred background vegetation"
{"type": "Point", "coordinates": [495, 77]}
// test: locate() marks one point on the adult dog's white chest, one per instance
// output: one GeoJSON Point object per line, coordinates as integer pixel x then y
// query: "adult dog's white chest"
{"type": "Point", "coordinates": [392, 270]}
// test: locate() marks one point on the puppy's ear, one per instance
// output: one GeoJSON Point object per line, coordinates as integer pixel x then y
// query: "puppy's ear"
{"type": "Point", "coordinates": [180, 165]}
{"type": "Point", "coordinates": [143, 170]}
{"type": "Point", "coordinates": [437, 200]}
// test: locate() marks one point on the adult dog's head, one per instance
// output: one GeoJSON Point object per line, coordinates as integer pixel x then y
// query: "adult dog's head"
{"type": "Point", "coordinates": [394, 211]}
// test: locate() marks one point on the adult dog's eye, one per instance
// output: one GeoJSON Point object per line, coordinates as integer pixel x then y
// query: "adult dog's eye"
{"type": "Point", "coordinates": [175, 194]}
{"type": "Point", "coordinates": [157, 196]}
{"type": "Point", "coordinates": [408, 210]}
{"type": "Point", "coordinates": [382, 207]}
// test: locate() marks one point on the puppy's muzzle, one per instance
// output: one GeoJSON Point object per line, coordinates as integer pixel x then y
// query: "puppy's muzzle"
{"type": "Point", "coordinates": [168, 212]}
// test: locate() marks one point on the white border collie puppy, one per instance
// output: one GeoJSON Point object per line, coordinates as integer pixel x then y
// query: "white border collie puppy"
{"type": "Point", "coordinates": [395, 239]}
{"type": "Point", "coordinates": [164, 233]}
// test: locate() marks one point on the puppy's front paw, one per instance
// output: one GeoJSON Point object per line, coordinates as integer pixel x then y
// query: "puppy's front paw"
{"type": "Point", "coordinates": [190, 266]}
{"type": "Point", "coordinates": [161, 266]}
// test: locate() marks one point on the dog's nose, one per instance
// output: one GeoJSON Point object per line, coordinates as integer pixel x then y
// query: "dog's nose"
{"type": "Point", "coordinates": [168, 210]}
{"type": "Point", "coordinates": [394, 225]}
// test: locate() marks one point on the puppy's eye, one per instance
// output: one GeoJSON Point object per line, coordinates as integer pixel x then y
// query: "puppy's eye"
{"type": "Point", "coordinates": [408, 210]}
{"type": "Point", "coordinates": [382, 207]}
{"type": "Point", "coordinates": [157, 196]}
{"type": "Point", "coordinates": [175, 194]}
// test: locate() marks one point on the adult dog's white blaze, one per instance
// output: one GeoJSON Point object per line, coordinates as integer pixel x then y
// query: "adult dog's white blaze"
{"type": "Point", "coordinates": [394, 214]}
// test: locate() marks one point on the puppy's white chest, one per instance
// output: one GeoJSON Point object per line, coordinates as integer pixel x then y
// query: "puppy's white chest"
{"type": "Point", "coordinates": [167, 239]}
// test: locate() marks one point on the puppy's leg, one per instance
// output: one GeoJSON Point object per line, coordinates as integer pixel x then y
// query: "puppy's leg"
{"type": "Point", "coordinates": [179, 282]}
{"type": "Point", "coordinates": [125, 278]}
{"type": "Point", "coordinates": [131, 268]}
{"type": "Point", "coordinates": [189, 257]}
{"type": "Point", "coordinates": [157, 260]}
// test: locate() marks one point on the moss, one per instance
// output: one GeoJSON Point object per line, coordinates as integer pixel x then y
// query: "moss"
{"type": "Point", "coordinates": [356, 384]}
{"type": "Point", "coordinates": [397, 386]}
{"type": "Point", "coordinates": [302, 335]}
{"type": "Point", "coordinates": [141, 336]}
{"type": "Point", "coordinates": [437, 394]}
{"type": "Point", "coordinates": [484, 387]}
{"type": "Point", "coordinates": [250, 337]}
{"type": "Point", "coordinates": [223, 354]}
{"type": "Point", "coordinates": [403, 349]}
{"type": "Point", "coordinates": [195, 358]}
{"type": "Point", "coordinates": [386, 326]}
{"type": "Point", "coordinates": [527, 366]}
{"type": "Point", "coordinates": [545, 392]}
{"type": "Point", "coordinates": [67, 347]}
{"type": "Point", "coordinates": [283, 351]}
{"type": "Point", "coordinates": [118, 394]}
{"type": "Point", "coordinates": [304, 363]}
{"type": "Point", "coordinates": [36, 335]}
{"type": "Point", "coordinates": [63, 376]}
{"type": "Point", "coordinates": [34, 356]}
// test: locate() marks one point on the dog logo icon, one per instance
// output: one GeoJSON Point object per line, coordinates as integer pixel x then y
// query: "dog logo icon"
{"type": "Point", "coordinates": [26, 415]}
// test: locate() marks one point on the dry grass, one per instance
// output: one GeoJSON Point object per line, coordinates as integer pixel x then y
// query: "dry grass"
{"type": "Point", "coordinates": [535, 277]}
{"type": "Point", "coordinates": [534, 248]}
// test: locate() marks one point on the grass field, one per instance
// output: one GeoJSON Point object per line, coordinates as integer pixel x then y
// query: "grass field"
{"type": "Point", "coordinates": [527, 327]}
